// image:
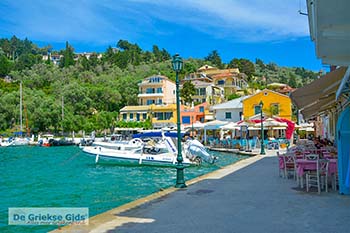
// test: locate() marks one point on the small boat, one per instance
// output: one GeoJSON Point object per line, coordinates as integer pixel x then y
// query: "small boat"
{"type": "Point", "coordinates": [15, 142]}
{"type": "Point", "coordinates": [162, 152]}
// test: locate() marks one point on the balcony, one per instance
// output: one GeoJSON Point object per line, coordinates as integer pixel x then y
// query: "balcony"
{"type": "Point", "coordinates": [141, 95]}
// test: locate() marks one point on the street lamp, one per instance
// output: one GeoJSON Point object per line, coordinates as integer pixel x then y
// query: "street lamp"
{"type": "Point", "coordinates": [192, 128]}
{"type": "Point", "coordinates": [262, 151]}
{"type": "Point", "coordinates": [180, 180]}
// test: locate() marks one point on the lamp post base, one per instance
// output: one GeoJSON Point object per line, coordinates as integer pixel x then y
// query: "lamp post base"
{"type": "Point", "coordinates": [180, 180]}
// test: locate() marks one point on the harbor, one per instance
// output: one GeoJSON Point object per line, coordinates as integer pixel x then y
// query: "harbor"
{"type": "Point", "coordinates": [66, 177]}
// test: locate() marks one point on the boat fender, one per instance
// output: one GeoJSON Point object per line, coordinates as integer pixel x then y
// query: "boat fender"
{"type": "Point", "coordinates": [97, 156]}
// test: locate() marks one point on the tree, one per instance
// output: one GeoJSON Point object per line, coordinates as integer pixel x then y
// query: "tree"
{"type": "Point", "coordinates": [214, 58]}
{"type": "Point", "coordinates": [5, 65]}
{"type": "Point", "coordinates": [188, 90]}
{"type": "Point", "coordinates": [260, 63]}
{"type": "Point", "coordinates": [292, 80]}
{"type": "Point", "coordinates": [244, 65]}
{"type": "Point", "coordinates": [68, 56]}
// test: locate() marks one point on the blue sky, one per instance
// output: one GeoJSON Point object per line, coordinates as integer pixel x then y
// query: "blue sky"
{"type": "Point", "coordinates": [271, 30]}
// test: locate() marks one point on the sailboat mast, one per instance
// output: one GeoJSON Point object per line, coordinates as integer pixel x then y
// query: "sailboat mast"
{"type": "Point", "coordinates": [20, 107]}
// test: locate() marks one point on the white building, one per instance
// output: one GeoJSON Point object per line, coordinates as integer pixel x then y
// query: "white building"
{"type": "Point", "coordinates": [229, 111]}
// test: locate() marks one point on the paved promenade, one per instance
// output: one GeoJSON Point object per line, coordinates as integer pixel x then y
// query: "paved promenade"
{"type": "Point", "coordinates": [245, 197]}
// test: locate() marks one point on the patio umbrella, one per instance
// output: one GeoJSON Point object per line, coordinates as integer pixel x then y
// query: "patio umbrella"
{"type": "Point", "coordinates": [196, 125]}
{"type": "Point", "coordinates": [230, 126]}
{"type": "Point", "coordinates": [271, 123]}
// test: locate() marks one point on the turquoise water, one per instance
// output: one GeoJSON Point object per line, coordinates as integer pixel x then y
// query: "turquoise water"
{"type": "Point", "coordinates": [66, 177]}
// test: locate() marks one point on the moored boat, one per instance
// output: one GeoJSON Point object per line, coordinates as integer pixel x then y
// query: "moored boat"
{"type": "Point", "coordinates": [162, 152]}
{"type": "Point", "coordinates": [15, 142]}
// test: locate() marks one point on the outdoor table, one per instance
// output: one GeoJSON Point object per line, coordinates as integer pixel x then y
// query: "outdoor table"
{"type": "Point", "coordinates": [311, 165]}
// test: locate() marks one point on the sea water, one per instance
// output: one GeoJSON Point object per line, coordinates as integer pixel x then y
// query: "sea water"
{"type": "Point", "coordinates": [66, 177]}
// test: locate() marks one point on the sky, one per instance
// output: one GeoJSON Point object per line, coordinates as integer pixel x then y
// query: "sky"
{"type": "Point", "coordinates": [271, 30]}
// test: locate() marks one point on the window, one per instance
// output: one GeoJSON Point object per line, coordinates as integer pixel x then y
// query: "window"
{"type": "Point", "coordinates": [144, 116]}
{"type": "Point", "coordinates": [221, 82]}
{"type": "Point", "coordinates": [124, 116]}
{"type": "Point", "coordinates": [168, 115]}
{"type": "Point", "coordinates": [275, 109]}
{"type": "Point", "coordinates": [155, 79]}
{"type": "Point", "coordinates": [138, 116]}
{"type": "Point", "coordinates": [149, 90]}
{"type": "Point", "coordinates": [228, 115]}
{"type": "Point", "coordinates": [257, 109]}
{"type": "Point", "coordinates": [201, 109]}
{"type": "Point", "coordinates": [159, 90]}
{"type": "Point", "coordinates": [160, 101]}
{"type": "Point", "coordinates": [186, 120]}
{"type": "Point", "coordinates": [131, 116]}
{"type": "Point", "coordinates": [201, 91]}
{"type": "Point", "coordinates": [159, 115]}
{"type": "Point", "coordinates": [149, 102]}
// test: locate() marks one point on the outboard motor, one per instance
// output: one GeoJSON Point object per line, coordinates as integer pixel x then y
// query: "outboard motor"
{"type": "Point", "coordinates": [196, 150]}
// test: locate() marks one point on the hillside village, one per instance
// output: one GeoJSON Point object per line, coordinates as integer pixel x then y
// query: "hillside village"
{"type": "Point", "coordinates": [65, 91]}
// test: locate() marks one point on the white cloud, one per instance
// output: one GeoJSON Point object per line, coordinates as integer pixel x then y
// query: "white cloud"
{"type": "Point", "coordinates": [107, 20]}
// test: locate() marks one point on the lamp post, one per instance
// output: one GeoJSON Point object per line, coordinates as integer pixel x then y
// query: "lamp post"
{"type": "Point", "coordinates": [180, 180]}
{"type": "Point", "coordinates": [192, 128]}
{"type": "Point", "coordinates": [262, 150]}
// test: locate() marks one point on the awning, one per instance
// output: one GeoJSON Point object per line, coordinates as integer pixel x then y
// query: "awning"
{"type": "Point", "coordinates": [344, 86]}
{"type": "Point", "coordinates": [324, 86]}
{"type": "Point", "coordinates": [319, 106]}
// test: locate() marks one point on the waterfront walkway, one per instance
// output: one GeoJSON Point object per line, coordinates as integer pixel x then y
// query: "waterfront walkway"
{"type": "Point", "coordinates": [245, 197]}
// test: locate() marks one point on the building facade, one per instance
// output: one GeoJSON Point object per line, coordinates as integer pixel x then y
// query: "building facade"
{"type": "Point", "coordinates": [229, 111]}
{"type": "Point", "coordinates": [157, 90]}
{"type": "Point", "coordinates": [274, 104]}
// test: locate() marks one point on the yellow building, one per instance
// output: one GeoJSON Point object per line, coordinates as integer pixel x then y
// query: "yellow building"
{"type": "Point", "coordinates": [159, 115]}
{"type": "Point", "coordinates": [163, 116]}
{"type": "Point", "coordinates": [231, 82]}
{"type": "Point", "coordinates": [274, 104]}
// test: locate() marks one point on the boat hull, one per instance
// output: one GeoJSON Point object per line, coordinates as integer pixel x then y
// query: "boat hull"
{"type": "Point", "coordinates": [103, 155]}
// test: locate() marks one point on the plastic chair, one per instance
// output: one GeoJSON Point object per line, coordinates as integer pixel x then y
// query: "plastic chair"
{"type": "Point", "coordinates": [318, 178]}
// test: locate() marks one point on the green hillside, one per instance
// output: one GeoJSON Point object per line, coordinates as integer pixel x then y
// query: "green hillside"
{"type": "Point", "coordinates": [94, 90]}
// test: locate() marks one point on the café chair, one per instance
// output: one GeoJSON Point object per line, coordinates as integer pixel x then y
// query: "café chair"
{"type": "Point", "coordinates": [319, 177]}
{"type": "Point", "coordinates": [312, 156]}
{"type": "Point", "coordinates": [289, 166]}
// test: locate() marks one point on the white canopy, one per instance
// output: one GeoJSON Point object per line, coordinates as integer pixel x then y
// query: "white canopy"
{"type": "Point", "coordinates": [230, 126]}
{"type": "Point", "coordinates": [196, 125]}
{"type": "Point", "coordinates": [214, 124]}
{"type": "Point", "coordinates": [270, 122]}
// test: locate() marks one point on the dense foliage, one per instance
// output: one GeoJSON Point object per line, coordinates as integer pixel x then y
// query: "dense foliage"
{"type": "Point", "coordinates": [93, 90]}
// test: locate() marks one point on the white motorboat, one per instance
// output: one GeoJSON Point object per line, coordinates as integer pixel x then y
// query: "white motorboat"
{"type": "Point", "coordinates": [162, 153]}
{"type": "Point", "coordinates": [117, 143]}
